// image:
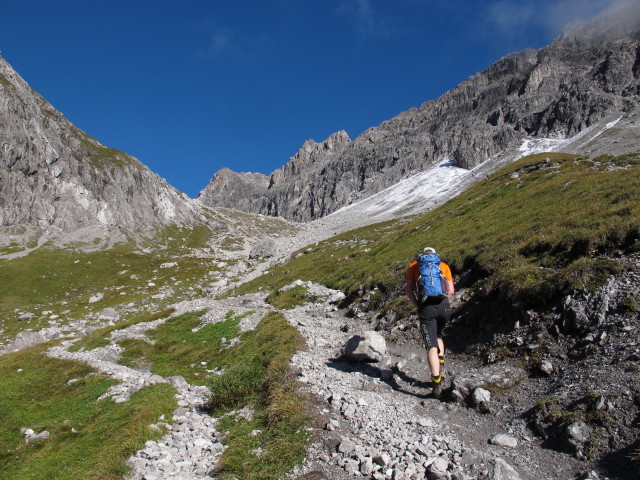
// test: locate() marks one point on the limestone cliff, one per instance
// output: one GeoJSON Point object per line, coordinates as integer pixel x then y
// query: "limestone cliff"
{"type": "Point", "coordinates": [55, 177]}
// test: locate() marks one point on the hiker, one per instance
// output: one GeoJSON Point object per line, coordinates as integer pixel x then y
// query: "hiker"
{"type": "Point", "coordinates": [431, 299]}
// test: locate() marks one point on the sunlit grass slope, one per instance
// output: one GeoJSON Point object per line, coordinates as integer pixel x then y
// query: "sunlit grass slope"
{"type": "Point", "coordinates": [269, 443]}
{"type": "Point", "coordinates": [88, 438]}
{"type": "Point", "coordinates": [544, 225]}
{"type": "Point", "coordinates": [61, 281]}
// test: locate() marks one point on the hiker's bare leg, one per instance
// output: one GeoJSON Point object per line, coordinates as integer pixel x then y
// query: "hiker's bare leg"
{"type": "Point", "coordinates": [440, 347]}
{"type": "Point", "coordinates": [434, 361]}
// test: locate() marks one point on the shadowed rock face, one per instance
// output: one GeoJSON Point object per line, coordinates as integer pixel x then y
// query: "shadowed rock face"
{"type": "Point", "coordinates": [53, 175]}
{"type": "Point", "coordinates": [589, 72]}
{"type": "Point", "coordinates": [234, 190]}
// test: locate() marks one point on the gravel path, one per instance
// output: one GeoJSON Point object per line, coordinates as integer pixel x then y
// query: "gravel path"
{"type": "Point", "coordinates": [379, 420]}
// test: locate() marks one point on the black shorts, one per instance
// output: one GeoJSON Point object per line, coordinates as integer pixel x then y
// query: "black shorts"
{"type": "Point", "coordinates": [433, 317]}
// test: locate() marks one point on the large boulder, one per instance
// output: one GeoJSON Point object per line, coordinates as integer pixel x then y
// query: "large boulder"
{"type": "Point", "coordinates": [26, 339]}
{"type": "Point", "coordinates": [366, 346]}
{"type": "Point", "coordinates": [265, 248]}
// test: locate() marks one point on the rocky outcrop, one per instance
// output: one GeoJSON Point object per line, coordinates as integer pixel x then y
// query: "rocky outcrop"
{"type": "Point", "coordinates": [55, 177]}
{"type": "Point", "coordinates": [234, 190]}
{"type": "Point", "coordinates": [588, 73]}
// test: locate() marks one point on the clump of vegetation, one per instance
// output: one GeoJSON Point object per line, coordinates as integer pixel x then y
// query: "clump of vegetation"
{"type": "Point", "coordinates": [551, 411]}
{"type": "Point", "coordinates": [103, 157]}
{"type": "Point", "coordinates": [290, 297]}
{"type": "Point", "coordinates": [257, 375]}
{"type": "Point", "coordinates": [629, 304]}
{"type": "Point", "coordinates": [87, 438]}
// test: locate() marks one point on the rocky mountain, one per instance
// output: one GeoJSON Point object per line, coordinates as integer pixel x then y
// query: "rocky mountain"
{"type": "Point", "coordinates": [56, 178]}
{"type": "Point", "coordinates": [234, 190]}
{"type": "Point", "coordinates": [587, 74]}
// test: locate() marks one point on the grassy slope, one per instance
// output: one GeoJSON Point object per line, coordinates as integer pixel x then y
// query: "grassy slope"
{"type": "Point", "coordinates": [256, 375]}
{"type": "Point", "coordinates": [88, 438]}
{"type": "Point", "coordinates": [533, 230]}
{"type": "Point", "coordinates": [60, 281]}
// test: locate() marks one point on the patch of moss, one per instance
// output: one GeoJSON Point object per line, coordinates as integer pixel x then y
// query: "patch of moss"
{"type": "Point", "coordinates": [629, 304]}
{"type": "Point", "coordinates": [4, 81]}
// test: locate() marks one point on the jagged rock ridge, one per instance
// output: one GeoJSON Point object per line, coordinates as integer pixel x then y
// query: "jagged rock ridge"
{"type": "Point", "coordinates": [54, 177]}
{"type": "Point", "coordinates": [585, 75]}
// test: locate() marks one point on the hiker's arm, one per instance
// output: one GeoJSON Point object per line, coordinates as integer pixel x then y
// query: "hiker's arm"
{"type": "Point", "coordinates": [450, 289]}
{"type": "Point", "coordinates": [409, 290]}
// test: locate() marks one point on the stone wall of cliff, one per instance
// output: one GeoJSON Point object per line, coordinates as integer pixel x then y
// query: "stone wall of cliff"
{"type": "Point", "coordinates": [54, 175]}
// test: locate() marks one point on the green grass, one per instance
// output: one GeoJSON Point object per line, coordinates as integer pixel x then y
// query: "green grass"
{"type": "Point", "coordinates": [536, 229]}
{"type": "Point", "coordinates": [62, 280]}
{"type": "Point", "coordinates": [257, 374]}
{"type": "Point", "coordinates": [41, 397]}
{"type": "Point", "coordinates": [101, 337]}
{"type": "Point", "coordinates": [177, 350]}
{"type": "Point", "coordinates": [11, 248]}
{"type": "Point", "coordinates": [290, 298]}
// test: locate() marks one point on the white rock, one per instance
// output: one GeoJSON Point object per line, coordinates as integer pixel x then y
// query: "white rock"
{"type": "Point", "coordinates": [426, 422]}
{"type": "Point", "coordinates": [503, 471]}
{"type": "Point", "coordinates": [546, 367]}
{"type": "Point", "coordinates": [383, 459]}
{"type": "Point", "coordinates": [503, 440]}
{"type": "Point", "coordinates": [365, 346]}
{"type": "Point", "coordinates": [96, 298]}
{"type": "Point", "coordinates": [26, 339]}
{"type": "Point", "coordinates": [480, 396]}
{"type": "Point", "coordinates": [366, 466]}
{"type": "Point", "coordinates": [346, 446]}
{"type": "Point", "coordinates": [108, 314]}
{"type": "Point", "coordinates": [438, 469]}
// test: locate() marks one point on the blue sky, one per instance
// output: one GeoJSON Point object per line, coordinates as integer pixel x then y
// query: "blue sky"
{"type": "Point", "coordinates": [191, 86]}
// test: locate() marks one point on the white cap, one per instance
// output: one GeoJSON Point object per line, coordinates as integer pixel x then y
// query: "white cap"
{"type": "Point", "coordinates": [429, 250]}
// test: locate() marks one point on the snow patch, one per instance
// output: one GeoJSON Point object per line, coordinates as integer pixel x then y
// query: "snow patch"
{"type": "Point", "coordinates": [435, 186]}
